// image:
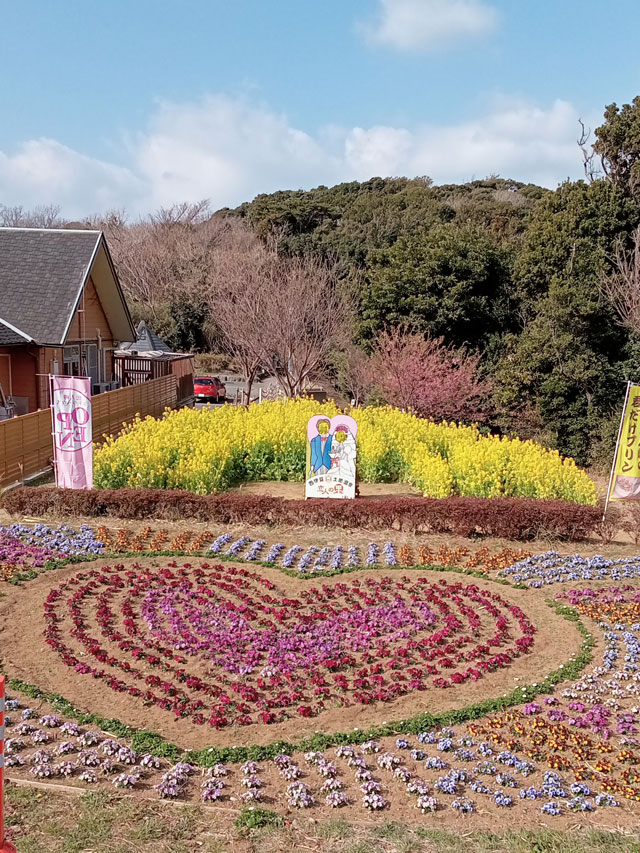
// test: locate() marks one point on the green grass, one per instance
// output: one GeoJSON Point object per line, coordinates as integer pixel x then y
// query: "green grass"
{"type": "Point", "coordinates": [257, 818]}
{"type": "Point", "coordinates": [109, 823]}
{"type": "Point", "coordinates": [336, 828]}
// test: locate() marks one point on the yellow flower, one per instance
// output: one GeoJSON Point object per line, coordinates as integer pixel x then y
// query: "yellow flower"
{"type": "Point", "coordinates": [207, 451]}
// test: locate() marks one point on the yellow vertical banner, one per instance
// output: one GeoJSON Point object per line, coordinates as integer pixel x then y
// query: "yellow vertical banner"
{"type": "Point", "coordinates": [625, 479]}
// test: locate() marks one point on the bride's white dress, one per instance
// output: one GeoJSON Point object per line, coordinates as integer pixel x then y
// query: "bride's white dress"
{"type": "Point", "coordinates": [344, 456]}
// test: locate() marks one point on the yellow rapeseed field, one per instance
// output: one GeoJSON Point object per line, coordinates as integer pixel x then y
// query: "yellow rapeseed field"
{"type": "Point", "coordinates": [209, 450]}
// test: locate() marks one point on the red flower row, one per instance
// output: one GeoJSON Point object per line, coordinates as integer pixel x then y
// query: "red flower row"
{"type": "Point", "coordinates": [221, 645]}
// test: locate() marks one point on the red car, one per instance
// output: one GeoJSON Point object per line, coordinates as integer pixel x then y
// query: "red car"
{"type": "Point", "coordinates": [209, 389]}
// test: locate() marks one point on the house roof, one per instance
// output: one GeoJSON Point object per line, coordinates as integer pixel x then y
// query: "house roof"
{"type": "Point", "coordinates": [146, 341]}
{"type": "Point", "coordinates": [8, 336]}
{"type": "Point", "coordinates": [42, 276]}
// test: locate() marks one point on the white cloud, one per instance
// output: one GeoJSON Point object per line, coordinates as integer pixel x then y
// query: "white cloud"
{"type": "Point", "coordinates": [516, 140]}
{"type": "Point", "coordinates": [377, 150]}
{"type": "Point", "coordinates": [43, 171]}
{"type": "Point", "coordinates": [427, 25]}
{"type": "Point", "coordinates": [224, 148]}
{"type": "Point", "coordinates": [229, 150]}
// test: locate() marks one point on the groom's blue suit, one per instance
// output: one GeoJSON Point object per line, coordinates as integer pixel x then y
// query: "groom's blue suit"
{"type": "Point", "coordinates": [318, 457]}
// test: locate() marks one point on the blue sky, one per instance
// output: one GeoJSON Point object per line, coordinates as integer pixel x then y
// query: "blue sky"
{"type": "Point", "coordinates": [138, 103]}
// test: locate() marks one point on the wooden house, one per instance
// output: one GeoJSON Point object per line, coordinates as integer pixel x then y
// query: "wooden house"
{"type": "Point", "coordinates": [62, 311]}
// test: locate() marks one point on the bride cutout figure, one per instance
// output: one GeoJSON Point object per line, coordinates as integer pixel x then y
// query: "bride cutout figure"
{"type": "Point", "coordinates": [343, 453]}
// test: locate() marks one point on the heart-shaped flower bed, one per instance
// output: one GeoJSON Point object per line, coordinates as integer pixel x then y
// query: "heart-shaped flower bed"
{"type": "Point", "coordinates": [223, 645]}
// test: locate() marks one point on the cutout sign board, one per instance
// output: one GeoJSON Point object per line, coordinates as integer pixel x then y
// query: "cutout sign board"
{"type": "Point", "coordinates": [331, 457]}
{"type": "Point", "coordinates": [72, 434]}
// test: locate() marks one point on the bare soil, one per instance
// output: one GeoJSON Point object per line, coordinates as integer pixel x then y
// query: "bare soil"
{"type": "Point", "coordinates": [295, 491]}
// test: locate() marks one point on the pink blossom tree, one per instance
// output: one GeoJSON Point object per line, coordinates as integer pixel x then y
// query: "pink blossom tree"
{"type": "Point", "coordinates": [424, 375]}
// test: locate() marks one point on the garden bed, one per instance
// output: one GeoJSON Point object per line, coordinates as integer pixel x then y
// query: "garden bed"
{"type": "Point", "coordinates": [26, 655]}
{"type": "Point", "coordinates": [487, 745]}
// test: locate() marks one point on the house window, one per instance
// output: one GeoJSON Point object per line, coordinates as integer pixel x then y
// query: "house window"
{"type": "Point", "coordinates": [71, 361]}
{"type": "Point", "coordinates": [90, 362]}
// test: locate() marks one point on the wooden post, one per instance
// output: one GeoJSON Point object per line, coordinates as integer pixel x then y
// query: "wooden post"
{"type": "Point", "coordinates": [5, 846]}
{"type": "Point", "coordinates": [53, 432]}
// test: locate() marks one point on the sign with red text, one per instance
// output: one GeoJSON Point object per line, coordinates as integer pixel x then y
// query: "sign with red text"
{"type": "Point", "coordinates": [72, 433]}
{"type": "Point", "coordinates": [331, 457]}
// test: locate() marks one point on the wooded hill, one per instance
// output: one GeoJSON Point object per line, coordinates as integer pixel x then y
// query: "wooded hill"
{"type": "Point", "coordinates": [508, 269]}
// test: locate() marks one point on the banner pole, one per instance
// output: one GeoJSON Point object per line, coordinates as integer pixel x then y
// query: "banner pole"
{"type": "Point", "coordinates": [53, 431]}
{"type": "Point", "coordinates": [615, 455]}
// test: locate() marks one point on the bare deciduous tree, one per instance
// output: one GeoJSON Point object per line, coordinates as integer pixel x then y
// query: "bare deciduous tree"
{"type": "Point", "coordinates": [237, 285]}
{"type": "Point", "coordinates": [621, 285]}
{"type": "Point", "coordinates": [305, 316]}
{"type": "Point", "coordinates": [591, 171]}
{"type": "Point", "coordinates": [275, 312]}
{"type": "Point", "coordinates": [44, 216]}
{"type": "Point", "coordinates": [166, 257]}
{"type": "Point", "coordinates": [353, 372]}
{"type": "Point", "coordinates": [184, 213]}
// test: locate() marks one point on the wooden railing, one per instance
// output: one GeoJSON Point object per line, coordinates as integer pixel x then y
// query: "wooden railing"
{"type": "Point", "coordinates": [137, 369]}
{"type": "Point", "coordinates": [26, 446]}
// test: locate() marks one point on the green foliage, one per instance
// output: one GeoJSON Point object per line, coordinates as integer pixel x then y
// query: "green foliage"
{"type": "Point", "coordinates": [618, 144]}
{"type": "Point", "coordinates": [450, 281]}
{"type": "Point", "coordinates": [189, 318]}
{"type": "Point", "coordinates": [350, 220]}
{"type": "Point", "coordinates": [571, 359]}
{"type": "Point", "coordinates": [258, 818]}
{"type": "Point", "coordinates": [266, 461]}
{"type": "Point", "coordinates": [179, 323]}
{"type": "Point", "coordinates": [569, 234]}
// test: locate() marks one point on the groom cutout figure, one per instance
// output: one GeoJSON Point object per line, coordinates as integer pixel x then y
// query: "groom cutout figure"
{"type": "Point", "coordinates": [320, 449]}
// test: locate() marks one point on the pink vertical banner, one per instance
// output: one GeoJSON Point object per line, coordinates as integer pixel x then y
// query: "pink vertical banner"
{"type": "Point", "coordinates": [72, 434]}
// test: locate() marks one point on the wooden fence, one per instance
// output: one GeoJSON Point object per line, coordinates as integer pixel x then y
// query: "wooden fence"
{"type": "Point", "coordinates": [26, 445]}
{"type": "Point", "coordinates": [136, 369]}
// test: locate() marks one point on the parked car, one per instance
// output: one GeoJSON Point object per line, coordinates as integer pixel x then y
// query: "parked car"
{"type": "Point", "coordinates": [209, 389]}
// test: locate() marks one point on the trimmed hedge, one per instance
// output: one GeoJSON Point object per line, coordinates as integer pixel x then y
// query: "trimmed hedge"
{"type": "Point", "coordinates": [505, 518]}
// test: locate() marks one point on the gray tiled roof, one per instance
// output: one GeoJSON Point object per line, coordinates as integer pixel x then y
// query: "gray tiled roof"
{"type": "Point", "coordinates": [8, 336]}
{"type": "Point", "coordinates": [41, 273]}
{"type": "Point", "coordinates": [147, 341]}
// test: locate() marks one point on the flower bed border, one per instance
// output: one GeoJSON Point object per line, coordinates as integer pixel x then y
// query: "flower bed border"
{"type": "Point", "coordinates": [507, 518]}
{"type": "Point", "coordinates": [31, 574]}
{"type": "Point", "coordinates": [148, 741]}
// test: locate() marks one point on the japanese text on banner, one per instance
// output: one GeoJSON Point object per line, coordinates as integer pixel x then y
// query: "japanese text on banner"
{"type": "Point", "coordinates": [626, 478]}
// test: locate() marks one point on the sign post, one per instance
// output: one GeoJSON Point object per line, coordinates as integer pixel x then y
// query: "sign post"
{"type": "Point", "coordinates": [5, 846]}
{"type": "Point", "coordinates": [331, 457]}
{"type": "Point", "coordinates": [72, 433]}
